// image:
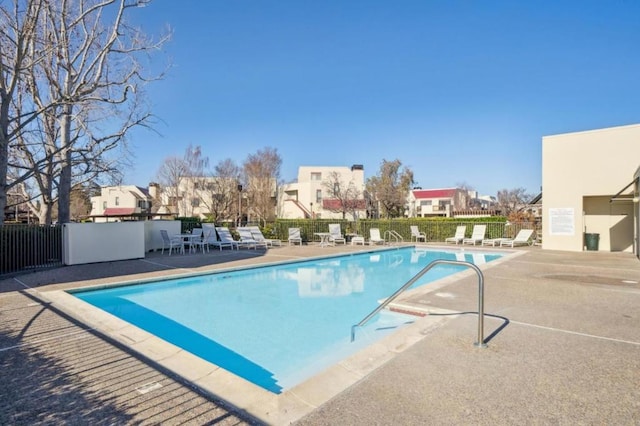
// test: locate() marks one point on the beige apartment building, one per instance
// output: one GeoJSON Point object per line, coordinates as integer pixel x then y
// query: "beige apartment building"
{"type": "Point", "coordinates": [121, 201]}
{"type": "Point", "coordinates": [309, 196]}
{"type": "Point", "coordinates": [590, 186]}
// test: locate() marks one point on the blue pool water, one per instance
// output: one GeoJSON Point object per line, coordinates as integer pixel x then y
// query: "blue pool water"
{"type": "Point", "coordinates": [278, 325]}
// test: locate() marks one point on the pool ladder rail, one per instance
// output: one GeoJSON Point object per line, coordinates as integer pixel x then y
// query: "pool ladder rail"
{"type": "Point", "coordinates": [388, 235]}
{"type": "Point", "coordinates": [480, 342]}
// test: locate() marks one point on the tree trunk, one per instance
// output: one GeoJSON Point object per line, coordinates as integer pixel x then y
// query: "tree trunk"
{"type": "Point", "coordinates": [64, 186]}
{"type": "Point", "coordinates": [3, 176]}
{"type": "Point", "coordinates": [4, 152]}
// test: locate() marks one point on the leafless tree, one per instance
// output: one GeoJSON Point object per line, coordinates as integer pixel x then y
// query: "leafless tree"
{"type": "Point", "coordinates": [390, 188]}
{"type": "Point", "coordinates": [184, 180]}
{"type": "Point", "coordinates": [80, 201]}
{"type": "Point", "coordinates": [222, 190]}
{"type": "Point", "coordinates": [18, 21]}
{"type": "Point", "coordinates": [261, 177]}
{"type": "Point", "coordinates": [465, 200]}
{"type": "Point", "coordinates": [85, 81]}
{"type": "Point", "coordinates": [348, 198]}
{"type": "Point", "coordinates": [171, 172]}
{"type": "Point", "coordinates": [510, 200]}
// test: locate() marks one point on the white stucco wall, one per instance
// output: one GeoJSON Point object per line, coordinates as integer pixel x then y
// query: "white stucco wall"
{"type": "Point", "coordinates": [102, 242]}
{"type": "Point", "coordinates": [105, 242]}
{"type": "Point", "coordinates": [580, 173]}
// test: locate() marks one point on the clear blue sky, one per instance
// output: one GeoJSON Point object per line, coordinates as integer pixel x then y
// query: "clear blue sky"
{"type": "Point", "coordinates": [459, 91]}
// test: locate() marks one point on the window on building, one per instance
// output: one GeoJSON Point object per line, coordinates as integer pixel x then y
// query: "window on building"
{"type": "Point", "coordinates": [318, 196]}
{"type": "Point", "coordinates": [442, 204]}
{"type": "Point", "coordinates": [117, 201]}
{"type": "Point", "coordinates": [104, 205]}
{"type": "Point", "coordinates": [316, 176]}
{"type": "Point", "coordinates": [195, 202]}
{"type": "Point", "coordinates": [425, 202]}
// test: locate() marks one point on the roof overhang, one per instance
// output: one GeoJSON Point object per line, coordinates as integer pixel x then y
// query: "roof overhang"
{"type": "Point", "coordinates": [625, 197]}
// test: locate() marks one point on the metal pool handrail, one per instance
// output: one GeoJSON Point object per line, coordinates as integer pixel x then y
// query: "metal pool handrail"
{"type": "Point", "coordinates": [480, 343]}
{"type": "Point", "coordinates": [394, 234]}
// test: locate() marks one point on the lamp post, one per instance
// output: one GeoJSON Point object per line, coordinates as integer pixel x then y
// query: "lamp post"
{"type": "Point", "coordinates": [311, 209]}
{"type": "Point", "coordinates": [239, 205]}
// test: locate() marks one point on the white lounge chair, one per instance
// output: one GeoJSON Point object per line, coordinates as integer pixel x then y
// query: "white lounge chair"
{"type": "Point", "coordinates": [521, 239]}
{"type": "Point", "coordinates": [459, 235]}
{"type": "Point", "coordinates": [477, 235]}
{"type": "Point", "coordinates": [210, 229]}
{"type": "Point", "coordinates": [294, 236]}
{"type": "Point", "coordinates": [171, 243]}
{"type": "Point", "coordinates": [211, 237]}
{"type": "Point", "coordinates": [226, 237]}
{"type": "Point", "coordinates": [417, 235]}
{"type": "Point", "coordinates": [247, 240]}
{"type": "Point", "coordinates": [374, 236]}
{"type": "Point", "coordinates": [493, 241]}
{"type": "Point", "coordinates": [257, 235]}
{"type": "Point", "coordinates": [336, 234]}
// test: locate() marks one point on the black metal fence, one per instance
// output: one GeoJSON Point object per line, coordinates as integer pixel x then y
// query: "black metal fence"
{"type": "Point", "coordinates": [29, 247]}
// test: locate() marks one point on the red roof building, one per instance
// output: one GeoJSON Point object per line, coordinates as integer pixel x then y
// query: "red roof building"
{"type": "Point", "coordinates": [436, 202]}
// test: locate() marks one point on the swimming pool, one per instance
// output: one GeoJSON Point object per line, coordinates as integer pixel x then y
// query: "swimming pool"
{"type": "Point", "coordinates": [277, 325]}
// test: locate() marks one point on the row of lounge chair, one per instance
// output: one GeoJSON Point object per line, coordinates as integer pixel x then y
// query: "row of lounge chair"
{"type": "Point", "coordinates": [216, 236]}
{"type": "Point", "coordinates": [251, 237]}
{"type": "Point", "coordinates": [478, 236]}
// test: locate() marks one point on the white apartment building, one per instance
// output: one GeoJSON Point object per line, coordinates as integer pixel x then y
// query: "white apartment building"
{"type": "Point", "coordinates": [309, 196]}
{"type": "Point", "coordinates": [119, 202]}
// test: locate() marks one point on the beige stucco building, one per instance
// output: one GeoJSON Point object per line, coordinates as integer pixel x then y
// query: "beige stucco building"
{"type": "Point", "coordinates": [121, 201]}
{"type": "Point", "coordinates": [309, 197]}
{"type": "Point", "coordinates": [590, 185]}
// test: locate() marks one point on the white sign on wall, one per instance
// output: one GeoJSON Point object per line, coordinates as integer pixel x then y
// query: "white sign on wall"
{"type": "Point", "coordinates": [562, 221]}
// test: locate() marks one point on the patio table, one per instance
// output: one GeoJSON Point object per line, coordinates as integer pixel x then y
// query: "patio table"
{"type": "Point", "coordinates": [188, 239]}
{"type": "Point", "coordinates": [324, 238]}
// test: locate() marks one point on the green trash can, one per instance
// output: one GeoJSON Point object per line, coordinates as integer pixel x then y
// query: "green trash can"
{"type": "Point", "coordinates": [591, 241]}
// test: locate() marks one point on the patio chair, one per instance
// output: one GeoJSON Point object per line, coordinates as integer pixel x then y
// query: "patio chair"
{"type": "Point", "coordinates": [417, 235]}
{"type": "Point", "coordinates": [374, 236]}
{"type": "Point", "coordinates": [171, 242]}
{"type": "Point", "coordinates": [294, 236]}
{"type": "Point", "coordinates": [196, 240]}
{"type": "Point", "coordinates": [477, 235]}
{"type": "Point", "coordinates": [225, 237]}
{"type": "Point", "coordinates": [247, 240]}
{"type": "Point", "coordinates": [257, 235]}
{"type": "Point", "coordinates": [459, 235]}
{"type": "Point", "coordinates": [336, 234]}
{"type": "Point", "coordinates": [521, 239]}
{"type": "Point", "coordinates": [202, 241]}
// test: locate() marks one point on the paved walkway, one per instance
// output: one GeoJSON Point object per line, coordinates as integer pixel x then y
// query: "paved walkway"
{"type": "Point", "coordinates": [563, 333]}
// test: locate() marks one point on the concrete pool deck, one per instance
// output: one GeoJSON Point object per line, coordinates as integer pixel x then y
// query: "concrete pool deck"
{"type": "Point", "coordinates": [563, 334]}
